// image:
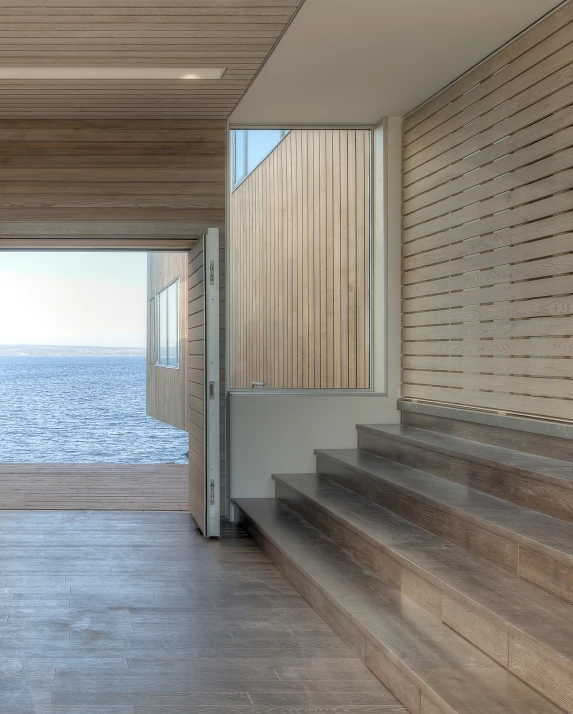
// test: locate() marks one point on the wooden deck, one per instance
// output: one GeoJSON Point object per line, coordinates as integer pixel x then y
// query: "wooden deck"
{"type": "Point", "coordinates": [149, 487]}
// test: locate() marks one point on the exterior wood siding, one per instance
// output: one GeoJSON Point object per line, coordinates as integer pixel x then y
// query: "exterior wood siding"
{"type": "Point", "coordinates": [166, 387]}
{"type": "Point", "coordinates": [299, 265]}
{"type": "Point", "coordinates": [488, 233]}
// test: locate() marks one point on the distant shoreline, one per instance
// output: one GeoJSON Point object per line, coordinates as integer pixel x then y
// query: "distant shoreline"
{"type": "Point", "coordinates": [69, 351]}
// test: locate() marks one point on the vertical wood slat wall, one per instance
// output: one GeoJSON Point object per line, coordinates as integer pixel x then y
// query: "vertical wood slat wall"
{"type": "Point", "coordinates": [488, 232]}
{"type": "Point", "coordinates": [299, 265]}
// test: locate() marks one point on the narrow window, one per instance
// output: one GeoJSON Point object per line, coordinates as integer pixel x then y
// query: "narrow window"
{"type": "Point", "coordinates": [167, 327]}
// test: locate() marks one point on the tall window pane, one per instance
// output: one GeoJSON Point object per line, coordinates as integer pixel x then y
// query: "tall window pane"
{"type": "Point", "coordinates": [162, 328]}
{"type": "Point", "coordinates": [173, 325]}
{"type": "Point", "coordinates": [261, 143]}
{"type": "Point", "coordinates": [239, 155]}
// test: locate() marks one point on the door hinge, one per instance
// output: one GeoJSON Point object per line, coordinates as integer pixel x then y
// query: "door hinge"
{"type": "Point", "coordinates": [212, 493]}
{"type": "Point", "coordinates": [211, 390]}
{"type": "Point", "coordinates": [212, 273]}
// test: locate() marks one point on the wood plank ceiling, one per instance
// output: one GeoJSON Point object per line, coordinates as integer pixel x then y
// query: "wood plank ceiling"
{"type": "Point", "coordinates": [235, 34]}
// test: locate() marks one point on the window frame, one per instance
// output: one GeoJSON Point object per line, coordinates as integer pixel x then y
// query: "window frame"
{"type": "Point", "coordinates": [378, 273]}
{"type": "Point", "coordinates": [164, 291]}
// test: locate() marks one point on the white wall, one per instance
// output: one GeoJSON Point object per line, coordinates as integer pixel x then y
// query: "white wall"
{"type": "Point", "coordinates": [277, 433]}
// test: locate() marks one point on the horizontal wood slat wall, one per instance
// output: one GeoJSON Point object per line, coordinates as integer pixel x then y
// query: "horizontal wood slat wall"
{"type": "Point", "coordinates": [488, 232]}
{"type": "Point", "coordinates": [110, 183]}
{"type": "Point", "coordinates": [299, 265]}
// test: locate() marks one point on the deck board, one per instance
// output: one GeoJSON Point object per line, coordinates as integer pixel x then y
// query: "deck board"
{"type": "Point", "coordinates": [147, 487]}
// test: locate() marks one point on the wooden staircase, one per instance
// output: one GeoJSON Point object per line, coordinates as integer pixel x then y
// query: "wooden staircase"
{"type": "Point", "coordinates": [445, 563]}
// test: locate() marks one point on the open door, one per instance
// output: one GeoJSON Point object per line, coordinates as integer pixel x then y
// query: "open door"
{"type": "Point", "coordinates": [203, 374]}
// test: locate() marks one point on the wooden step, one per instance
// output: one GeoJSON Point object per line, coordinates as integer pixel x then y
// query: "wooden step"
{"type": "Point", "coordinates": [537, 547]}
{"type": "Point", "coordinates": [529, 480]}
{"type": "Point", "coordinates": [525, 629]}
{"type": "Point", "coordinates": [426, 665]}
{"type": "Point", "coordinates": [537, 440]}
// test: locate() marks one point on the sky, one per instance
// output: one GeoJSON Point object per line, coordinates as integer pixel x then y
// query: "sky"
{"type": "Point", "coordinates": [80, 299]}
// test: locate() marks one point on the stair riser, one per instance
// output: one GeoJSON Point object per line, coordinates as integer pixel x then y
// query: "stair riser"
{"type": "Point", "coordinates": [400, 681]}
{"type": "Point", "coordinates": [538, 444]}
{"type": "Point", "coordinates": [523, 656]}
{"type": "Point", "coordinates": [547, 572]}
{"type": "Point", "coordinates": [512, 486]}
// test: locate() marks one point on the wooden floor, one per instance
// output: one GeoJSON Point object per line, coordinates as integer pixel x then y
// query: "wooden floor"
{"type": "Point", "coordinates": [149, 487]}
{"type": "Point", "coordinates": [134, 613]}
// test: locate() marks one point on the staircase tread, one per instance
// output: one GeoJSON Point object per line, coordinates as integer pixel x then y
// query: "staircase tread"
{"type": "Point", "coordinates": [538, 530]}
{"type": "Point", "coordinates": [530, 610]}
{"type": "Point", "coordinates": [542, 467]}
{"type": "Point", "coordinates": [447, 665]}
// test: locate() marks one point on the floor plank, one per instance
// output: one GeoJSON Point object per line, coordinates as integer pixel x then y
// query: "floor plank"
{"type": "Point", "coordinates": [134, 613]}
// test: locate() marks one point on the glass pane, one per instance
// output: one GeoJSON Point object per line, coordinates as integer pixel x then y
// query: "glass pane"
{"type": "Point", "coordinates": [172, 325]}
{"type": "Point", "coordinates": [261, 143]}
{"type": "Point", "coordinates": [162, 328]}
{"type": "Point", "coordinates": [240, 169]}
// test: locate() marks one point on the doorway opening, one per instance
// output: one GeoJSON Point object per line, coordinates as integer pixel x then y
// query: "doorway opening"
{"type": "Point", "coordinates": [75, 384]}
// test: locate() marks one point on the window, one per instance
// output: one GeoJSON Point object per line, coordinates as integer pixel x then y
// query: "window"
{"type": "Point", "coordinates": [250, 148]}
{"type": "Point", "coordinates": [167, 326]}
{"type": "Point", "coordinates": [299, 266]}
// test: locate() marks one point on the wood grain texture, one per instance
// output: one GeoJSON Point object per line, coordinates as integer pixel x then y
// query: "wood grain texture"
{"type": "Point", "coordinates": [153, 487]}
{"type": "Point", "coordinates": [527, 442]}
{"type": "Point", "coordinates": [299, 261]}
{"type": "Point", "coordinates": [489, 637]}
{"type": "Point", "coordinates": [166, 388]}
{"type": "Point", "coordinates": [111, 183]}
{"type": "Point", "coordinates": [134, 612]}
{"type": "Point", "coordinates": [549, 677]}
{"type": "Point", "coordinates": [533, 482]}
{"type": "Point", "coordinates": [236, 35]}
{"type": "Point", "coordinates": [430, 514]}
{"type": "Point", "coordinates": [487, 250]}
{"type": "Point", "coordinates": [417, 656]}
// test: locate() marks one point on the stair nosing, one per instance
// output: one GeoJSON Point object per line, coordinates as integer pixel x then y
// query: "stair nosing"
{"type": "Point", "coordinates": [507, 532]}
{"type": "Point", "coordinates": [434, 580]}
{"type": "Point", "coordinates": [378, 429]}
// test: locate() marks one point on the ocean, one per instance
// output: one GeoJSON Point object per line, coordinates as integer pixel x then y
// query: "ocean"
{"type": "Point", "coordinates": [81, 410]}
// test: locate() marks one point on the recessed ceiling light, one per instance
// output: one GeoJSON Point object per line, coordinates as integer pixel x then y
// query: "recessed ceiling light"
{"type": "Point", "coordinates": [86, 73]}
